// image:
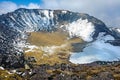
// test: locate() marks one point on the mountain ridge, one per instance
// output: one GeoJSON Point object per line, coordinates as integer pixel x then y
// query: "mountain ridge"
{"type": "Point", "coordinates": [15, 26]}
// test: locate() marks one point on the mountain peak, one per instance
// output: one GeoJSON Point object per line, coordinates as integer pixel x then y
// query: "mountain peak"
{"type": "Point", "coordinates": [16, 26]}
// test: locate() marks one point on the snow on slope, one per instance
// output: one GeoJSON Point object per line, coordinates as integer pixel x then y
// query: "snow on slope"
{"type": "Point", "coordinates": [45, 49]}
{"type": "Point", "coordinates": [118, 30]}
{"type": "Point", "coordinates": [97, 51]}
{"type": "Point", "coordinates": [32, 21]}
{"type": "Point", "coordinates": [81, 28]}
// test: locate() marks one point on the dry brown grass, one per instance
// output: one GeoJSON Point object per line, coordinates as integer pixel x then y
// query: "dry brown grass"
{"type": "Point", "coordinates": [60, 55]}
{"type": "Point", "coordinates": [4, 75]}
{"type": "Point", "coordinates": [42, 58]}
{"type": "Point", "coordinates": [50, 38]}
{"type": "Point", "coordinates": [47, 38]}
{"type": "Point", "coordinates": [43, 39]}
{"type": "Point", "coordinates": [117, 76]}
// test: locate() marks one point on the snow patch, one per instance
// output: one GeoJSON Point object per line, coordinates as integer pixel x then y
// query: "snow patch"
{"type": "Point", "coordinates": [64, 12]}
{"type": "Point", "coordinates": [81, 28]}
{"type": "Point", "coordinates": [46, 49]}
{"type": "Point", "coordinates": [31, 48]}
{"type": "Point", "coordinates": [118, 30]}
{"type": "Point", "coordinates": [97, 51]}
{"type": "Point", "coordinates": [52, 49]}
{"type": "Point", "coordinates": [2, 68]}
{"type": "Point", "coordinates": [46, 13]}
{"type": "Point", "coordinates": [51, 14]}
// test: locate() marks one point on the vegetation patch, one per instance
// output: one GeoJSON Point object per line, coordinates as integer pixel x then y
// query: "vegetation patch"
{"type": "Point", "coordinates": [52, 47]}
{"type": "Point", "coordinates": [6, 75]}
{"type": "Point", "coordinates": [47, 38]}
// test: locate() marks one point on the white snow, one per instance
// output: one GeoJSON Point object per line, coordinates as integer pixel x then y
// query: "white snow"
{"type": "Point", "coordinates": [21, 44]}
{"type": "Point", "coordinates": [2, 68]}
{"type": "Point", "coordinates": [64, 11]}
{"type": "Point", "coordinates": [51, 14]}
{"type": "Point", "coordinates": [81, 28]}
{"type": "Point", "coordinates": [33, 22]}
{"type": "Point", "coordinates": [46, 12]}
{"type": "Point", "coordinates": [118, 30]}
{"type": "Point", "coordinates": [46, 49]}
{"type": "Point", "coordinates": [45, 21]}
{"type": "Point", "coordinates": [13, 71]}
{"type": "Point", "coordinates": [31, 48]}
{"type": "Point", "coordinates": [52, 49]}
{"type": "Point", "coordinates": [97, 51]}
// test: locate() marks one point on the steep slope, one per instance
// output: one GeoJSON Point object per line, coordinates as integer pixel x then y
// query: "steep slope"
{"type": "Point", "coordinates": [115, 31]}
{"type": "Point", "coordinates": [25, 20]}
{"type": "Point", "coordinates": [15, 28]}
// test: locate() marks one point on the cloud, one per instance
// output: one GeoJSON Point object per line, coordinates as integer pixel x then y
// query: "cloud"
{"type": "Point", "coordinates": [7, 6]}
{"type": "Point", "coordinates": [30, 6]}
{"type": "Point", "coordinates": [105, 10]}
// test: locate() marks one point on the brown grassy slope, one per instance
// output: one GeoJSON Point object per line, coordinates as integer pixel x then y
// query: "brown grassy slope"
{"type": "Point", "coordinates": [5, 75]}
{"type": "Point", "coordinates": [60, 55]}
{"type": "Point", "coordinates": [50, 38]}
{"type": "Point", "coordinates": [46, 38]}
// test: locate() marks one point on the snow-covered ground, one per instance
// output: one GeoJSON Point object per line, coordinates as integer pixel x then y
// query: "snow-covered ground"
{"type": "Point", "coordinates": [81, 28]}
{"type": "Point", "coordinates": [118, 30]}
{"type": "Point", "coordinates": [97, 51]}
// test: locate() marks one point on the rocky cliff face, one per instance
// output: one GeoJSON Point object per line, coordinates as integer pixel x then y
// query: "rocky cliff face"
{"type": "Point", "coordinates": [14, 27]}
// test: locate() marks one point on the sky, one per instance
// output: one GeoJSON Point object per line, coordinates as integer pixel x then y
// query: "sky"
{"type": "Point", "coordinates": [106, 10]}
